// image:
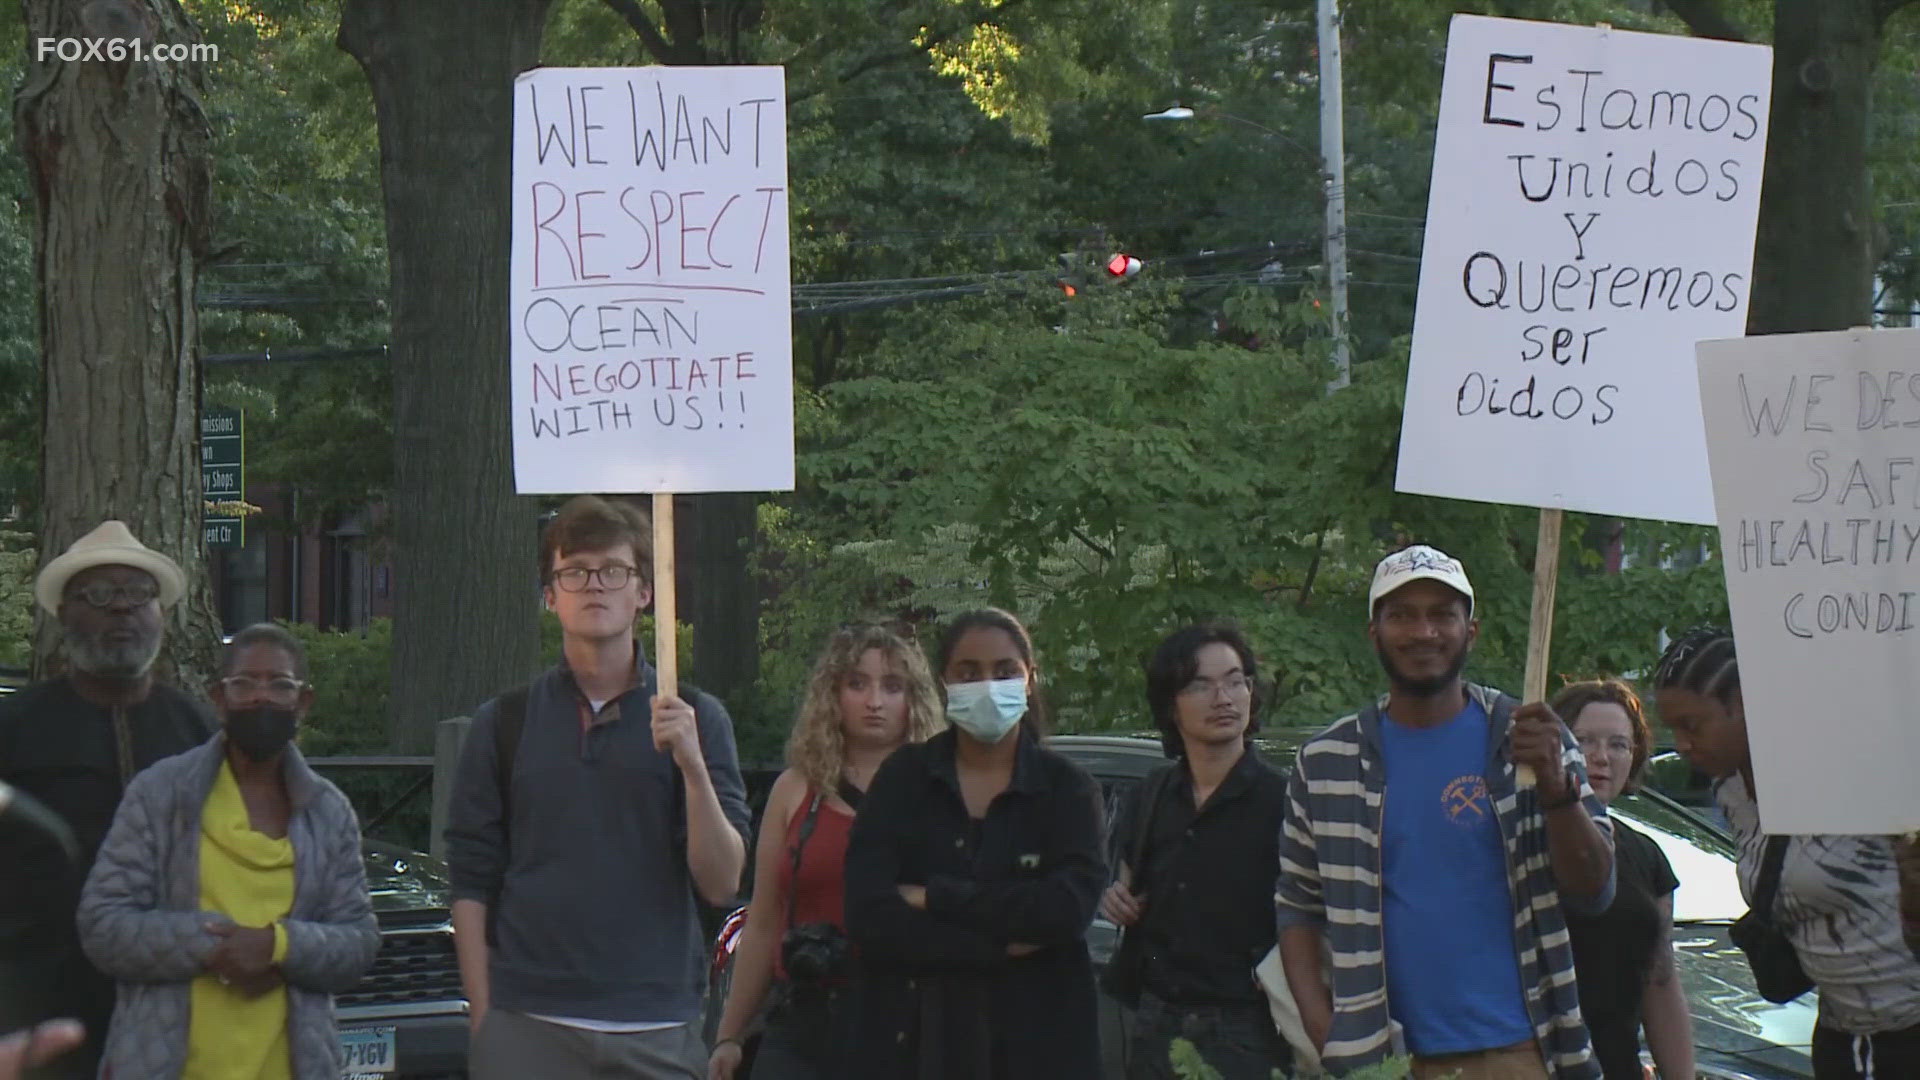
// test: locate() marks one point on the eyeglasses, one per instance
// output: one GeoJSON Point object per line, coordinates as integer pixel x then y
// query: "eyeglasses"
{"type": "Point", "coordinates": [101, 594]}
{"type": "Point", "coordinates": [247, 688]}
{"type": "Point", "coordinates": [611, 576]}
{"type": "Point", "coordinates": [1234, 685]}
{"type": "Point", "coordinates": [1591, 745]}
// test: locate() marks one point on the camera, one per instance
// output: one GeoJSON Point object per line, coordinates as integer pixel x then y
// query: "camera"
{"type": "Point", "coordinates": [815, 952]}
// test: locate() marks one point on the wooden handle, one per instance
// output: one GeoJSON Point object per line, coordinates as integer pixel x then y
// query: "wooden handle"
{"type": "Point", "coordinates": [1546, 577]}
{"type": "Point", "coordinates": [666, 655]}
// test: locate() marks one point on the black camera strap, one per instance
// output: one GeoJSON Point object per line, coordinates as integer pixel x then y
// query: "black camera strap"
{"type": "Point", "coordinates": [848, 794]}
{"type": "Point", "coordinates": [799, 849]}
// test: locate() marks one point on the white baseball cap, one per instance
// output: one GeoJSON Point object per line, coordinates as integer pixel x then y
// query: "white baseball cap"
{"type": "Point", "coordinates": [1418, 563]}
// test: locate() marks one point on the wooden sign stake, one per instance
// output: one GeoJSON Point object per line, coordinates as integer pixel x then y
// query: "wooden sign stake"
{"type": "Point", "coordinates": [1546, 577]}
{"type": "Point", "coordinates": [666, 654]}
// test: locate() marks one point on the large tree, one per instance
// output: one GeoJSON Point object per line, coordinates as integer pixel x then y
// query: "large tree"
{"type": "Point", "coordinates": [465, 612]}
{"type": "Point", "coordinates": [117, 158]}
{"type": "Point", "coordinates": [1817, 248]}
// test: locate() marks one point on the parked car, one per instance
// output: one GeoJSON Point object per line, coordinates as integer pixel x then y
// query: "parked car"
{"type": "Point", "coordinates": [407, 1017]}
{"type": "Point", "coordinates": [1738, 1034]}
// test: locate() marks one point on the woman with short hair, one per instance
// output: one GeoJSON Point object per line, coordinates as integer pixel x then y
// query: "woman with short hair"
{"type": "Point", "coordinates": [1624, 955]}
{"type": "Point", "coordinates": [229, 900]}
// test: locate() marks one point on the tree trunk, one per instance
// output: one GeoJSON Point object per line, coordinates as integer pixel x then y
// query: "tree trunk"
{"type": "Point", "coordinates": [721, 594]}
{"type": "Point", "coordinates": [117, 155]}
{"type": "Point", "coordinates": [465, 568]}
{"type": "Point", "coordinates": [1814, 254]}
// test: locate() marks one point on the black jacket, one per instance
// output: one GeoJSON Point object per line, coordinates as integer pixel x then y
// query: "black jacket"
{"type": "Point", "coordinates": [939, 996]}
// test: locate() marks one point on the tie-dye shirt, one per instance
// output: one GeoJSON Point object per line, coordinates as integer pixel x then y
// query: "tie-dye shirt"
{"type": "Point", "coordinates": [1839, 903]}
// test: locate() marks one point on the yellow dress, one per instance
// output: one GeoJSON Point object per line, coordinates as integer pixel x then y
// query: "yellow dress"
{"type": "Point", "coordinates": [248, 877]}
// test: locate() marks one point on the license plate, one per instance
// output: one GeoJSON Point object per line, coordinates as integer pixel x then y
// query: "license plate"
{"type": "Point", "coordinates": [366, 1053]}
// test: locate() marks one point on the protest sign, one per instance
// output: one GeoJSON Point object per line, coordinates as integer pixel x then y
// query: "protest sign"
{"type": "Point", "coordinates": [1814, 441]}
{"type": "Point", "coordinates": [651, 321]}
{"type": "Point", "coordinates": [1591, 217]}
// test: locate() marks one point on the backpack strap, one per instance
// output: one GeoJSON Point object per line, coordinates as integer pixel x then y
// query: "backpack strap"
{"type": "Point", "coordinates": [509, 721]}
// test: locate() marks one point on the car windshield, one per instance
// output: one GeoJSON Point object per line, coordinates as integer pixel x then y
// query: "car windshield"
{"type": "Point", "coordinates": [1702, 857]}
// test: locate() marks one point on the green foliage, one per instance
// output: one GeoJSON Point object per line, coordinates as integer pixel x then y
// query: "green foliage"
{"type": "Point", "coordinates": [351, 672]}
{"type": "Point", "coordinates": [18, 561]}
{"type": "Point", "coordinates": [300, 257]}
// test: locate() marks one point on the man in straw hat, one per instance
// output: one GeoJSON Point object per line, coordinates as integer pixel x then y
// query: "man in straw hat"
{"type": "Point", "coordinates": [74, 742]}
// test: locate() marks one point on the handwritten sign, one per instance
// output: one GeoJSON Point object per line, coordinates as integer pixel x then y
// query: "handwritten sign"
{"type": "Point", "coordinates": [651, 320]}
{"type": "Point", "coordinates": [1591, 217]}
{"type": "Point", "coordinates": [1815, 448]}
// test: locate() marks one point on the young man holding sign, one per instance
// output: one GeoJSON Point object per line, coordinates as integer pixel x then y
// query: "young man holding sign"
{"type": "Point", "coordinates": [587, 813]}
{"type": "Point", "coordinates": [1413, 856]}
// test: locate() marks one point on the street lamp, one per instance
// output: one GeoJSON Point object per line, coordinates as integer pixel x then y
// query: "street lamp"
{"type": "Point", "coordinates": [1333, 179]}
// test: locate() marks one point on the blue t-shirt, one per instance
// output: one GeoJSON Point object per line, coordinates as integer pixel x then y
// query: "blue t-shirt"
{"type": "Point", "coordinates": [1453, 977]}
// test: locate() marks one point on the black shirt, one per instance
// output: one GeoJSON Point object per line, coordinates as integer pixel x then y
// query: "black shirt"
{"type": "Point", "coordinates": [938, 996]}
{"type": "Point", "coordinates": [1207, 879]}
{"type": "Point", "coordinates": [1613, 951]}
{"type": "Point", "coordinates": [62, 750]}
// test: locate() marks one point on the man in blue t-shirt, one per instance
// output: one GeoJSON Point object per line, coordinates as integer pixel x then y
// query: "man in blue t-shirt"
{"type": "Point", "coordinates": [1434, 878]}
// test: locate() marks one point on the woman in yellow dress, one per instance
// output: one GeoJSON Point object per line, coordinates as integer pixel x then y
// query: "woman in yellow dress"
{"type": "Point", "coordinates": [229, 900]}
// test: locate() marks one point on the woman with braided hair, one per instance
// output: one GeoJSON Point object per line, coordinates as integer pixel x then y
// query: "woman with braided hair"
{"type": "Point", "coordinates": [1838, 897]}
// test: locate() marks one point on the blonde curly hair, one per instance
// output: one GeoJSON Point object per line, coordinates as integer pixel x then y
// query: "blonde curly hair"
{"type": "Point", "coordinates": [817, 748]}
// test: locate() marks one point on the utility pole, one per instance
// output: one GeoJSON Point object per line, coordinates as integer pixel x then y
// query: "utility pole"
{"type": "Point", "coordinates": [1334, 175]}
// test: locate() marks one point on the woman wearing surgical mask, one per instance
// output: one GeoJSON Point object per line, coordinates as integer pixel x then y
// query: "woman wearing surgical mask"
{"type": "Point", "coordinates": [973, 872]}
{"type": "Point", "coordinates": [229, 899]}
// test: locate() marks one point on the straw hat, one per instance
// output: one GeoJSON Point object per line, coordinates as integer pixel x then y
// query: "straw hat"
{"type": "Point", "coordinates": [109, 545]}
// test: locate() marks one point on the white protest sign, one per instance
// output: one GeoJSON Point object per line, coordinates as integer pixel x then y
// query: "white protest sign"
{"type": "Point", "coordinates": [1591, 217]}
{"type": "Point", "coordinates": [652, 343]}
{"type": "Point", "coordinates": [1815, 445]}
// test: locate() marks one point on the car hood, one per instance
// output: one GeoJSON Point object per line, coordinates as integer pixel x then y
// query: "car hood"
{"type": "Point", "coordinates": [1728, 1016]}
{"type": "Point", "coordinates": [404, 882]}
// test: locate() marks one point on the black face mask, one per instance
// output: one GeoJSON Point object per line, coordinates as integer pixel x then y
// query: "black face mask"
{"type": "Point", "coordinates": [261, 731]}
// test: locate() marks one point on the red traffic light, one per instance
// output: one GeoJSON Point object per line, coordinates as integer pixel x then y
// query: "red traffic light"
{"type": "Point", "coordinates": [1123, 265]}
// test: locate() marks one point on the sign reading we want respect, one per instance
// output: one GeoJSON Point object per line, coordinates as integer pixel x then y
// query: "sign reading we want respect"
{"type": "Point", "coordinates": [1591, 217]}
{"type": "Point", "coordinates": [1815, 445]}
{"type": "Point", "coordinates": [651, 321]}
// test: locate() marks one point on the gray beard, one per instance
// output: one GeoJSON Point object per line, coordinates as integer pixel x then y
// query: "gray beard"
{"type": "Point", "coordinates": [88, 654]}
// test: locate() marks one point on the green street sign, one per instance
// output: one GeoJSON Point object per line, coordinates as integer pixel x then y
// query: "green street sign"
{"type": "Point", "coordinates": [223, 473]}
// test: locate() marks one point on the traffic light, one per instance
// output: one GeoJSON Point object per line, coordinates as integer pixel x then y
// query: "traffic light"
{"type": "Point", "coordinates": [1077, 270]}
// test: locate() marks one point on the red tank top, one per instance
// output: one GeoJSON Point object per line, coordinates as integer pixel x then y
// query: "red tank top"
{"type": "Point", "coordinates": [822, 880]}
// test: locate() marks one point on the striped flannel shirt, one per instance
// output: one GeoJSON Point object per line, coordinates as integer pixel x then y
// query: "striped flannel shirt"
{"type": "Point", "coordinates": [1330, 879]}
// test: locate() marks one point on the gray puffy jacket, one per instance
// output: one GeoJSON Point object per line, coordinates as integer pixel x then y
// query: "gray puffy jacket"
{"type": "Point", "coordinates": [140, 920]}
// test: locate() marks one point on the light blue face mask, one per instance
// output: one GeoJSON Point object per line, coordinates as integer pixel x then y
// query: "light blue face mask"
{"type": "Point", "coordinates": [987, 710]}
